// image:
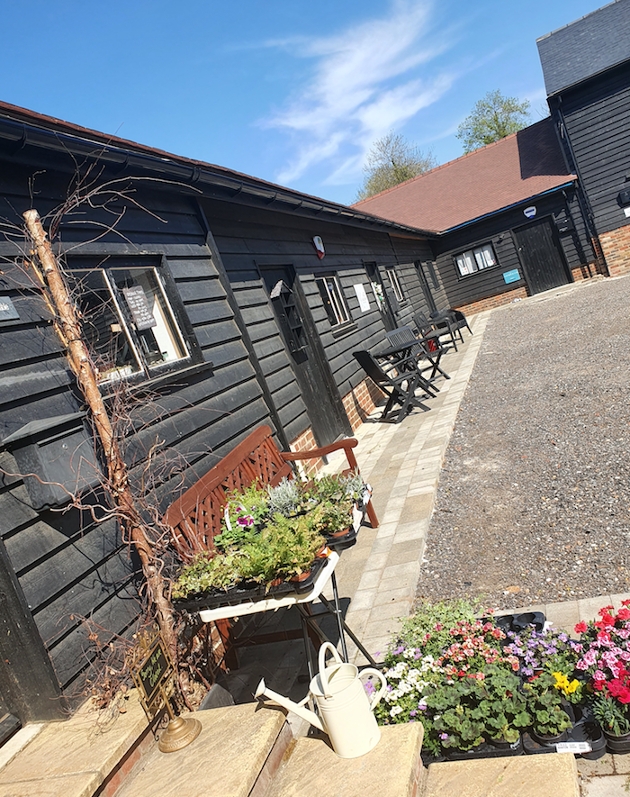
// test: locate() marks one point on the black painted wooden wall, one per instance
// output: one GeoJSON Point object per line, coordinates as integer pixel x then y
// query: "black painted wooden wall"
{"type": "Point", "coordinates": [595, 115]}
{"type": "Point", "coordinates": [497, 230]}
{"type": "Point", "coordinates": [66, 567]}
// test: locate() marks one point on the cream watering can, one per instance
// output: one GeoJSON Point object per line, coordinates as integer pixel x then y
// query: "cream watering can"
{"type": "Point", "coordinates": [342, 702]}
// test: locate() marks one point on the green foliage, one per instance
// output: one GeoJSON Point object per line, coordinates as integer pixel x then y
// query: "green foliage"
{"type": "Point", "coordinates": [391, 161]}
{"type": "Point", "coordinates": [428, 628]}
{"type": "Point", "coordinates": [469, 711]}
{"type": "Point", "coordinates": [493, 117]}
{"type": "Point", "coordinates": [544, 702]}
{"type": "Point", "coordinates": [285, 498]}
{"type": "Point", "coordinates": [208, 572]}
{"type": "Point", "coordinates": [247, 511]}
{"type": "Point", "coordinates": [284, 548]}
{"type": "Point", "coordinates": [612, 715]}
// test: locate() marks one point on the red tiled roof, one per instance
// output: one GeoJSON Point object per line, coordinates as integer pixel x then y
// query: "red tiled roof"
{"type": "Point", "coordinates": [511, 170]}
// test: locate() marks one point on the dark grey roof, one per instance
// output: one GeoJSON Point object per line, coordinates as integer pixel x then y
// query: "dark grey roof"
{"type": "Point", "coordinates": [586, 47]}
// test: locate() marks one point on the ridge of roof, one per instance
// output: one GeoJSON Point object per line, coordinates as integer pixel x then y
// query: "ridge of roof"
{"type": "Point", "coordinates": [579, 19]}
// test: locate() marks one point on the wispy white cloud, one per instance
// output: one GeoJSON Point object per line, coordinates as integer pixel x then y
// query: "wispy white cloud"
{"type": "Point", "coordinates": [367, 80]}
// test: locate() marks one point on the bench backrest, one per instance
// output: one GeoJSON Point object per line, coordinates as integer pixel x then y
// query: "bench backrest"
{"type": "Point", "coordinates": [196, 516]}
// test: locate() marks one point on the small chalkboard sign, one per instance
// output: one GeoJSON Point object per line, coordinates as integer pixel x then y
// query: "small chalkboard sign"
{"type": "Point", "coordinates": [139, 307]}
{"type": "Point", "coordinates": [153, 672]}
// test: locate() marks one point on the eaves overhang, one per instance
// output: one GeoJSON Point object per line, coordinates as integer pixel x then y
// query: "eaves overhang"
{"type": "Point", "coordinates": [505, 208]}
{"type": "Point", "coordinates": [27, 129]}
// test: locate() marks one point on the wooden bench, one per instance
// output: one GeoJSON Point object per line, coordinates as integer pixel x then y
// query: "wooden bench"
{"type": "Point", "coordinates": [195, 517]}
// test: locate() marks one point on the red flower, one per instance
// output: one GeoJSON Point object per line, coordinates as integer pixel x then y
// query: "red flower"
{"type": "Point", "coordinates": [623, 614]}
{"type": "Point", "coordinates": [581, 627]}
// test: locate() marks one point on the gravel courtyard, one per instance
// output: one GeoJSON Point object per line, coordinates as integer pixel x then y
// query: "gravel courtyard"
{"type": "Point", "coordinates": [533, 503]}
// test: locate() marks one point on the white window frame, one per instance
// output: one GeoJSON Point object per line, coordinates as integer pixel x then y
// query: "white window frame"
{"type": "Point", "coordinates": [395, 283]}
{"type": "Point", "coordinates": [334, 300]}
{"type": "Point", "coordinates": [477, 259]}
{"type": "Point", "coordinates": [151, 335]}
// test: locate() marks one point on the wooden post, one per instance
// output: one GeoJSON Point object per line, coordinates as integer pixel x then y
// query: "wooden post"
{"type": "Point", "coordinates": [69, 330]}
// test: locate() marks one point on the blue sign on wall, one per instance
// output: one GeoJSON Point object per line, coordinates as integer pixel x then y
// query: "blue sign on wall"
{"type": "Point", "coordinates": [511, 276]}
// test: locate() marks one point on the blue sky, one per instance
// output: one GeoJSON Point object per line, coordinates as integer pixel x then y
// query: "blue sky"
{"type": "Point", "coordinates": [292, 91]}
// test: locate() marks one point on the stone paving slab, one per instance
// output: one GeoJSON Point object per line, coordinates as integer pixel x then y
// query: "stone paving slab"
{"type": "Point", "coordinates": [72, 758]}
{"type": "Point", "coordinates": [225, 760]}
{"type": "Point", "coordinates": [392, 769]}
{"type": "Point", "coordinates": [550, 775]}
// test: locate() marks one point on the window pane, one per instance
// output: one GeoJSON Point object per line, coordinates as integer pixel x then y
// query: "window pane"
{"type": "Point", "coordinates": [466, 263]}
{"type": "Point", "coordinates": [393, 276]}
{"type": "Point", "coordinates": [333, 300]}
{"type": "Point", "coordinates": [115, 354]}
{"type": "Point", "coordinates": [151, 316]}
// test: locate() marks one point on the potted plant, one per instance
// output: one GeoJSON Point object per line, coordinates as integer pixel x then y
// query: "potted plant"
{"type": "Point", "coordinates": [550, 721]}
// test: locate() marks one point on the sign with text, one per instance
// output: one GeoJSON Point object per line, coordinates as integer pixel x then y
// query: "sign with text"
{"type": "Point", "coordinates": [152, 671]}
{"type": "Point", "coordinates": [511, 276]}
{"type": "Point", "coordinates": [139, 307]}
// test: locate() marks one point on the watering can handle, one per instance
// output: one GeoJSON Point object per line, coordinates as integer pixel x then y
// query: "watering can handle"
{"type": "Point", "coordinates": [325, 648]}
{"type": "Point", "coordinates": [377, 695]}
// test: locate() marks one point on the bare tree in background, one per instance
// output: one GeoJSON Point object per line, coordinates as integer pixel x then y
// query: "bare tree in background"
{"type": "Point", "coordinates": [392, 160]}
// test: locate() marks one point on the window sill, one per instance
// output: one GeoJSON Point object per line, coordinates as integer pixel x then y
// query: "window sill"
{"type": "Point", "coordinates": [156, 382]}
{"type": "Point", "coordinates": [344, 329]}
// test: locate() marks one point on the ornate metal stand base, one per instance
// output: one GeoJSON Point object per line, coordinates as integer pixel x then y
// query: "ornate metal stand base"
{"type": "Point", "coordinates": [179, 733]}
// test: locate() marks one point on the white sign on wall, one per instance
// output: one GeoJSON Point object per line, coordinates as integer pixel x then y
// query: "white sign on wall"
{"type": "Point", "coordinates": [364, 302]}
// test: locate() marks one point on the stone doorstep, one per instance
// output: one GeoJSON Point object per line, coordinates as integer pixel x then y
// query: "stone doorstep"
{"type": "Point", "coordinates": [77, 757]}
{"type": "Point", "coordinates": [551, 775]}
{"type": "Point", "coordinates": [236, 754]}
{"type": "Point", "coordinates": [392, 769]}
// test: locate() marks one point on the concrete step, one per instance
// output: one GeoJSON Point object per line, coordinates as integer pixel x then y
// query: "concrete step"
{"type": "Point", "coordinates": [236, 754]}
{"type": "Point", "coordinates": [551, 775]}
{"type": "Point", "coordinates": [392, 769]}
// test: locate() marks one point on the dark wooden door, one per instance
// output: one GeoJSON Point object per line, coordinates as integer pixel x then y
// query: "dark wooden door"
{"type": "Point", "coordinates": [312, 371]}
{"type": "Point", "coordinates": [542, 257]}
{"type": "Point", "coordinates": [384, 300]}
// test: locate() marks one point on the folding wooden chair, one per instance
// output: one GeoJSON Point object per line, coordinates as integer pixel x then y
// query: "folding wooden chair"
{"type": "Point", "coordinates": [399, 388]}
{"type": "Point", "coordinates": [425, 348]}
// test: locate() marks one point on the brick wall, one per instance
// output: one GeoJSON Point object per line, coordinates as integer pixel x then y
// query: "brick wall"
{"type": "Point", "coordinates": [493, 301]}
{"type": "Point", "coordinates": [360, 402]}
{"type": "Point", "coordinates": [616, 247]}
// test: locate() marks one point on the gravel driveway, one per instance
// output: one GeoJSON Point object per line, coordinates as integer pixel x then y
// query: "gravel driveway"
{"type": "Point", "coordinates": [533, 503]}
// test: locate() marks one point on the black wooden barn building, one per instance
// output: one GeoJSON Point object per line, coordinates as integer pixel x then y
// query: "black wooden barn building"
{"type": "Point", "coordinates": [209, 287]}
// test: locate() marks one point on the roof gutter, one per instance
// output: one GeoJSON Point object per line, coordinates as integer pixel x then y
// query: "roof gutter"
{"type": "Point", "coordinates": [183, 170]}
{"type": "Point", "coordinates": [493, 213]}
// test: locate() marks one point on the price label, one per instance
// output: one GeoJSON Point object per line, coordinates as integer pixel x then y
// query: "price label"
{"type": "Point", "coordinates": [573, 747]}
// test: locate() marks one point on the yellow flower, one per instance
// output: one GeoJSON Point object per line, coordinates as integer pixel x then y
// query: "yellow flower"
{"type": "Point", "coordinates": [562, 683]}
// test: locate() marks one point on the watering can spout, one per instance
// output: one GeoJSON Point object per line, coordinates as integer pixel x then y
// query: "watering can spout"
{"type": "Point", "coordinates": [296, 708]}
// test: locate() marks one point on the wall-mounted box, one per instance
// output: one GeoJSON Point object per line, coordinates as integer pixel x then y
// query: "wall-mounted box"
{"type": "Point", "coordinates": [56, 458]}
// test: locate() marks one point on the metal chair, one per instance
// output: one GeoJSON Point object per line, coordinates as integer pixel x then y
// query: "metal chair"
{"type": "Point", "coordinates": [400, 388]}
{"type": "Point", "coordinates": [424, 348]}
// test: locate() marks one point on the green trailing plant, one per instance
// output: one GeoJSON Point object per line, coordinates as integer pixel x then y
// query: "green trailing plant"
{"type": "Point", "coordinates": [207, 572]}
{"type": "Point", "coordinates": [613, 716]}
{"type": "Point", "coordinates": [544, 703]}
{"type": "Point", "coordinates": [428, 628]}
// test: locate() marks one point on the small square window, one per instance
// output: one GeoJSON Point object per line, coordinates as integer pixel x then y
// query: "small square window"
{"type": "Point", "coordinates": [333, 299]}
{"type": "Point", "coordinates": [474, 260]}
{"type": "Point", "coordinates": [128, 321]}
